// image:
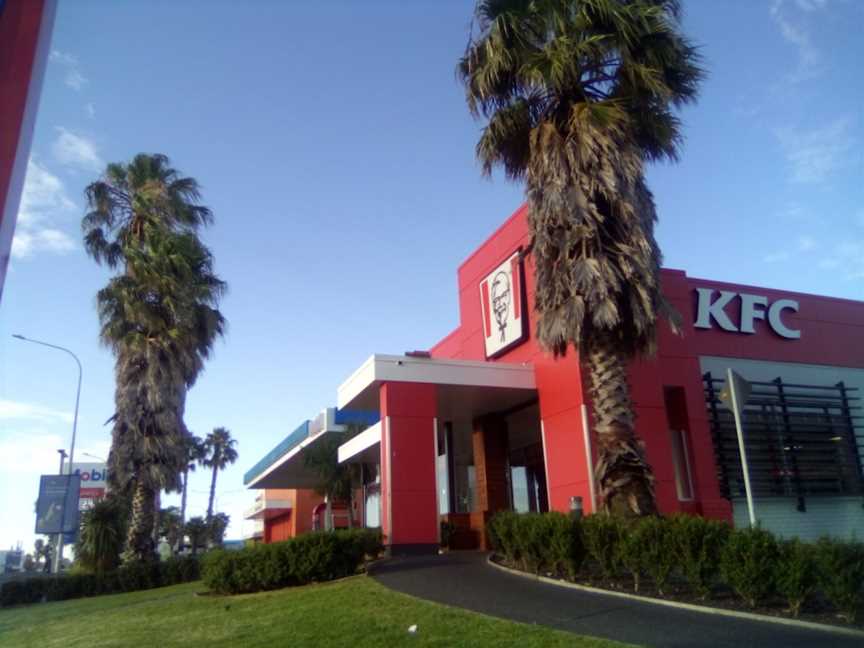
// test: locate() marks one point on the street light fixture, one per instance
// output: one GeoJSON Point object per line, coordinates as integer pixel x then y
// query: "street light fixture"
{"type": "Point", "coordinates": [59, 554]}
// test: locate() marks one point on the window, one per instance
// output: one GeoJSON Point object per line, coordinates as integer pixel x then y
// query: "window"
{"type": "Point", "coordinates": [676, 415]}
{"type": "Point", "coordinates": [681, 461]}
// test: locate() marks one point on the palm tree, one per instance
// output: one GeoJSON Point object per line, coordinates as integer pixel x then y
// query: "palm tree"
{"type": "Point", "coordinates": [159, 316]}
{"type": "Point", "coordinates": [171, 527]}
{"type": "Point", "coordinates": [334, 480]}
{"type": "Point", "coordinates": [102, 533]}
{"type": "Point", "coordinates": [197, 530]}
{"type": "Point", "coordinates": [194, 447]}
{"type": "Point", "coordinates": [579, 95]}
{"type": "Point", "coordinates": [219, 451]}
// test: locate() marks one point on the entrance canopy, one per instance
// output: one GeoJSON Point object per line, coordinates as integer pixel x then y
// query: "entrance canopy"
{"type": "Point", "coordinates": [363, 448]}
{"type": "Point", "coordinates": [284, 466]}
{"type": "Point", "coordinates": [466, 388]}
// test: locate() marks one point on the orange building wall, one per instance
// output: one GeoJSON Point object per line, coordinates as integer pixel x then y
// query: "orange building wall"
{"type": "Point", "coordinates": [294, 522]}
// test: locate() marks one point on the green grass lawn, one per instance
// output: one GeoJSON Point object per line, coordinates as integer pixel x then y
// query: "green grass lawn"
{"type": "Point", "coordinates": [353, 612]}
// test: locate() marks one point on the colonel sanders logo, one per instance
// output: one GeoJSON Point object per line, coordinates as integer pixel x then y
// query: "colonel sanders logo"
{"type": "Point", "coordinates": [501, 298]}
{"type": "Point", "coordinates": [501, 302]}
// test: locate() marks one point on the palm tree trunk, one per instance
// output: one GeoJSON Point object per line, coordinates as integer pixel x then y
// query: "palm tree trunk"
{"type": "Point", "coordinates": [624, 478]}
{"type": "Point", "coordinates": [212, 493]}
{"type": "Point", "coordinates": [139, 539]}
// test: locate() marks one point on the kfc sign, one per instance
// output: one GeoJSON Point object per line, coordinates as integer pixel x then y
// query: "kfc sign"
{"type": "Point", "coordinates": [711, 310]}
{"type": "Point", "coordinates": [502, 301]}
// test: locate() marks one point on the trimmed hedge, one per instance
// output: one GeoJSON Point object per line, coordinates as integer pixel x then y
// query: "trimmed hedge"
{"type": "Point", "coordinates": [312, 557]}
{"type": "Point", "coordinates": [129, 578]}
{"type": "Point", "coordinates": [749, 563]}
{"type": "Point", "coordinates": [538, 542]}
{"type": "Point", "coordinates": [696, 552]}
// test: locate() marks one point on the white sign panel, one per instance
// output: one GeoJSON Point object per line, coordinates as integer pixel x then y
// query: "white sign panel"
{"type": "Point", "coordinates": [711, 311]}
{"type": "Point", "coordinates": [93, 475]}
{"type": "Point", "coordinates": [502, 305]}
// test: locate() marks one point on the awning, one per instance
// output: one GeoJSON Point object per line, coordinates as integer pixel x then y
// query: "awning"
{"type": "Point", "coordinates": [466, 388]}
{"type": "Point", "coordinates": [363, 448]}
{"type": "Point", "coordinates": [266, 508]}
{"type": "Point", "coordinates": [284, 466]}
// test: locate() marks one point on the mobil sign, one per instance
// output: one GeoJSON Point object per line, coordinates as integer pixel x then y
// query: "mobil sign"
{"type": "Point", "coordinates": [94, 479]}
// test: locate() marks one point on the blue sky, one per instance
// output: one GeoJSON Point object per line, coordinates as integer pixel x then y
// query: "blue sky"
{"type": "Point", "coordinates": [334, 147]}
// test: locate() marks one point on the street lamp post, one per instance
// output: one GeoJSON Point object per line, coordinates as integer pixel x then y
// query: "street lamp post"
{"type": "Point", "coordinates": [59, 553]}
{"type": "Point", "coordinates": [62, 453]}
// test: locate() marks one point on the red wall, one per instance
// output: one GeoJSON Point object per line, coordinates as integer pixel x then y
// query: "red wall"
{"type": "Point", "coordinates": [832, 334]}
{"type": "Point", "coordinates": [409, 512]}
{"type": "Point", "coordinates": [25, 29]}
{"type": "Point", "coordinates": [278, 528]}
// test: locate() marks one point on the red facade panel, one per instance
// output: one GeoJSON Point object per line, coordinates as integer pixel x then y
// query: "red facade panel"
{"type": "Point", "coordinates": [409, 510]}
{"type": "Point", "coordinates": [25, 29]}
{"type": "Point", "coordinates": [832, 331]}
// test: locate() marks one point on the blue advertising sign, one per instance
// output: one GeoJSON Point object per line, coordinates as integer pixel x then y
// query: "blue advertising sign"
{"type": "Point", "coordinates": [57, 508]}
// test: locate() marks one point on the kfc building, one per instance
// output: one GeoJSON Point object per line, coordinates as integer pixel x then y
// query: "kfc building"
{"type": "Point", "coordinates": [487, 421]}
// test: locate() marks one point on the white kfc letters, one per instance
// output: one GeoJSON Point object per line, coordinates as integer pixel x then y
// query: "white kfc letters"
{"type": "Point", "coordinates": [753, 307]}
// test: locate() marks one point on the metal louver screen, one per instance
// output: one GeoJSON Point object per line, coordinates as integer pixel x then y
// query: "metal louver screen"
{"type": "Point", "coordinates": [801, 440]}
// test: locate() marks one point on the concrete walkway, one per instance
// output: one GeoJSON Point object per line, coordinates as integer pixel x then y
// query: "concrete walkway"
{"type": "Point", "coordinates": [463, 579]}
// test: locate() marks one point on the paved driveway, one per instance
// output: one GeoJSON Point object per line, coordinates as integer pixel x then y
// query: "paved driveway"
{"type": "Point", "coordinates": [463, 579]}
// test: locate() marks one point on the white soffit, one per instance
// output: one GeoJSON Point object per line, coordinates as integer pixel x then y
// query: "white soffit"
{"type": "Point", "coordinates": [356, 393]}
{"type": "Point", "coordinates": [368, 438]}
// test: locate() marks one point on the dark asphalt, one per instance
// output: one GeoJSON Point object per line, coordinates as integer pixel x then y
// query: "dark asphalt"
{"type": "Point", "coordinates": [463, 579]}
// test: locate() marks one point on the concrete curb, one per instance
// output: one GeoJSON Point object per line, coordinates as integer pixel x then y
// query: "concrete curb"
{"type": "Point", "coordinates": [750, 616]}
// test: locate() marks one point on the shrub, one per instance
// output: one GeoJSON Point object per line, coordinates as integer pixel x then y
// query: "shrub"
{"type": "Point", "coordinates": [749, 564]}
{"type": "Point", "coordinates": [313, 557]}
{"type": "Point", "coordinates": [563, 549]}
{"type": "Point", "coordinates": [646, 547]}
{"type": "Point", "coordinates": [697, 543]}
{"type": "Point", "coordinates": [129, 578]}
{"type": "Point", "coordinates": [502, 535]}
{"type": "Point", "coordinates": [658, 550]}
{"type": "Point", "coordinates": [628, 554]}
{"type": "Point", "coordinates": [841, 574]}
{"type": "Point", "coordinates": [179, 569]}
{"type": "Point", "coordinates": [601, 534]}
{"type": "Point", "coordinates": [538, 542]}
{"type": "Point", "coordinates": [796, 573]}
{"type": "Point", "coordinates": [531, 537]}
{"type": "Point", "coordinates": [136, 576]}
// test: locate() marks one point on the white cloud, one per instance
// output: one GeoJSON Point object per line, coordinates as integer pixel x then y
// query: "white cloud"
{"type": "Point", "coordinates": [814, 155]}
{"type": "Point", "coordinates": [17, 411]}
{"type": "Point", "coordinates": [847, 259]}
{"type": "Point", "coordinates": [776, 257]}
{"type": "Point", "coordinates": [43, 201]}
{"type": "Point", "coordinates": [43, 194]}
{"type": "Point", "coordinates": [90, 109]}
{"type": "Point", "coordinates": [806, 243]}
{"type": "Point", "coordinates": [796, 32]}
{"type": "Point", "coordinates": [76, 150]}
{"type": "Point", "coordinates": [73, 78]}
{"type": "Point", "coordinates": [811, 5]}
{"type": "Point", "coordinates": [31, 453]}
{"type": "Point", "coordinates": [26, 243]}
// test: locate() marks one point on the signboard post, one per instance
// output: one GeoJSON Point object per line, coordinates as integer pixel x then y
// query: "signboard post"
{"type": "Point", "coordinates": [734, 394]}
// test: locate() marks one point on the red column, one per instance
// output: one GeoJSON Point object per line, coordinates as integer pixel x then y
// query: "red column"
{"type": "Point", "coordinates": [409, 509]}
{"type": "Point", "coordinates": [25, 31]}
{"type": "Point", "coordinates": [568, 469]}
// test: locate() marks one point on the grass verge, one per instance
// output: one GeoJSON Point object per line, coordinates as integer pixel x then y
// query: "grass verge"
{"type": "Point", "coordinates": [353, 612]}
